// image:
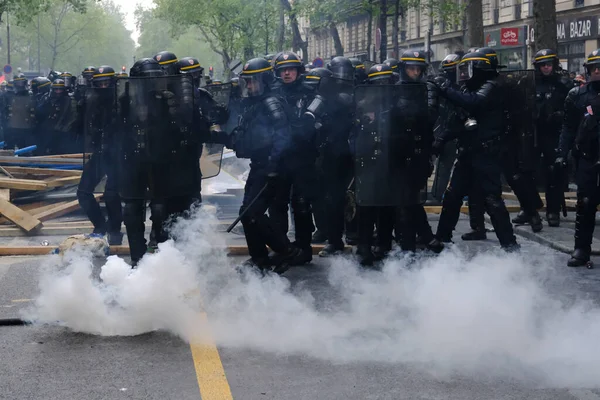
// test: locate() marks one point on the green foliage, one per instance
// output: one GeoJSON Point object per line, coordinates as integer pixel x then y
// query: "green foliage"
{"type": "Point", "coordinates": [70, 40]}
{"type": "Point", "coordinates": [156, 35]}
{"type": "Point", "coordinates": [234, 29]}
{"type": "Point", "coordinates": [24, 11]}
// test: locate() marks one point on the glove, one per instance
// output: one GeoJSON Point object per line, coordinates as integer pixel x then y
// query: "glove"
{"type": "Point", "coordinates": [442, 83]}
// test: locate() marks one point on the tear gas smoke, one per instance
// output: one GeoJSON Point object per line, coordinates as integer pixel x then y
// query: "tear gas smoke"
{"type": "Point", "coordinates": [497, 315]}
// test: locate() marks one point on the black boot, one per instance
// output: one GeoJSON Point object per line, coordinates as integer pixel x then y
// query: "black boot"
{"type": "Point", "coordinates": [478, 234]}
{"type": "Point", "coordinates": [435, 245]}
{"type": "Point", "coordinates": [283, 262]}
{"type": "Point", "coordinates": [553, 219]}
{"type": "Point", "coordinates": [579, 258]}
{"type": "Point", "coordinates": [304, 257]}
{"type": "Point", "coordinates": [365, 255]}
{"type": "Point", "coordinates": [522, 218]}
{"type": "Point", "coordinates": [536, 222]}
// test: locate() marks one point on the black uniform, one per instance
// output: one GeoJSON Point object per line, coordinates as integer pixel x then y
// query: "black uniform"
{"type": "Point", "coordinates": [263, 135]}
{"type": "Point", "coordinates": [581, 132]}
{"type": "Point", "coordinates": [478, 164]}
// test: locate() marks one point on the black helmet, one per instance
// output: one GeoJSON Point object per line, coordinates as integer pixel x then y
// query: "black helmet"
{"type": "Point", "coordinates": [412, 58]}
{"type": "Point", "coordinates": [491, 55]}
{"type": "Point", "coordinates": [104, 76]}
{"type": "Point", "coordinates": [269, 58]}
{"type": "Point", "coordinates": [88, 73]}
{"type": "Point", "coordinates": [546, 57]}
{"type": "Point", "coordinates": [381, 73]}
{"type": "Point", "coordinates": [593, 62]}
{"type": "Point", "coordinates": [40, 85]}
{"type": "Point", "coordinates": [287, 59]}
{"type": "Point", "coordinates": [341, 68]}
{"type": "Point", "coordinates": [68, 78]}
{"type": "Point", "coordinates": [393, 64]}
{"type": "Point", "coordinates": [146, 67]}
{"type": "Point", "coordinates": [313, 77]}
{"type": "Point", "coordinates": [20, 83]}
{"type": "Point", "coordinates": [167, 61]}
{"type": "Point", "coordinates": [58, 87]}
{"type": "Point", "coordinates": [473, 65]}
{"type": "Point", "coordinates": [449, 66]}
{"type": "Point", "coordinates": [360, 73]}
{"type": "Point", "coordinates": [256, 77]}
{"type": "Point", "coordinates": [190, 65]}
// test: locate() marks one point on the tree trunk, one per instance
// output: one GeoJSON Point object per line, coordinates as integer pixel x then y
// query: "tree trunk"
{"type": "Point", "coordinates": [370, 52]}
{"type": "Point", "coordinates": [281, 29]}
{"type": "Point", "coordinates": [297, 42]}
{"type": "Point", "coordinates": [383, 9]}
{"type": "Point", "coordinates": [544, 25]}
{"type": "Point", "coordinates": [474, 14]}
{"type": "Point", "coordinates": [333, 30]}
{"type": "Point", "coordinates": [395, 31]}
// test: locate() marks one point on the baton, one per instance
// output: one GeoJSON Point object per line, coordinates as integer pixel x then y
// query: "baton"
{"type": "Point", "coordinates": [238, 219]}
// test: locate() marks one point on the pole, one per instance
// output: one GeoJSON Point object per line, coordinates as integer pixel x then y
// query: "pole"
{"type": "Point", "coordinates": [7, 39]}
{"type": "Point", "coordinates": [39, 56]}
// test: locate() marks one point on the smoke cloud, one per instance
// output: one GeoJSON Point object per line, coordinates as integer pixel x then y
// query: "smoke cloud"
{"type": "Point", "coordinates": [490, 315]}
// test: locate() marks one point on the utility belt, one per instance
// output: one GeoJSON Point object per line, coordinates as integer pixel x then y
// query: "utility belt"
{"type": "Point", "coordinates": [492, 145]}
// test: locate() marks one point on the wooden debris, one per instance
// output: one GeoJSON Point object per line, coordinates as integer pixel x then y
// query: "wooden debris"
{"type": "Point", "coordinates": [25, 184]}
{"type": "Point", "coordinates": [44, 171]}
{"type": "Point", "coordinates": [18, 216]}
{"type": "Point", "coordinates": [60, 210]}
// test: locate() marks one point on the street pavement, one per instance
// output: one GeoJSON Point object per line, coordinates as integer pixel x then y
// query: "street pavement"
{"type": "Point", "coordinates": [298, 353]}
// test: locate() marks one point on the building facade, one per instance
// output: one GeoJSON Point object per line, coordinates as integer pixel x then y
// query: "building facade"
{"type": "Point", "coordinates": [508, 28]}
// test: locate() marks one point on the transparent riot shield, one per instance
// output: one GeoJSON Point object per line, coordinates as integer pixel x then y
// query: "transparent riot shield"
{"type": "Point", "coordinates": [390, 142]}
{"type": "Point", "coordinates": [212, 153]}
{"type": "Point", "coordinates": [99, 139]}
{"type": "Point", "coordinates": [20, 121]}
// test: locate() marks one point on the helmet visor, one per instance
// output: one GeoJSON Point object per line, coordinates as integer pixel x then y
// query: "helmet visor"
{"type": "Point", "coordinates": [465, 71]}
{"type": "Point", "coordinates": [251, 86]}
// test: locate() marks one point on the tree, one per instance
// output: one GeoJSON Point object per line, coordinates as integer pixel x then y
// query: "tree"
{"type": "Point", "coordinates": [229, 26]}
{"type": "Point", "coordinates": [544, 24]}
{"type": "Point", "coordinates": [474, 17]}
{"type": "Point", "coordinates": [156, 35]}
{"type": "Point", "coordinates": [24, 10]}
{"type": "Point", "coordinates": [64, 47]}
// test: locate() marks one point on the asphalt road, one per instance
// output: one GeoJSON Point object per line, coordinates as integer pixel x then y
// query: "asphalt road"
{"type": "Point", "coordinates": [460, 326]}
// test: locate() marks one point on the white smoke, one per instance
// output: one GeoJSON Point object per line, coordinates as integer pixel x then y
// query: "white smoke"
{"type": "Point", "coordinates": [491, 315]}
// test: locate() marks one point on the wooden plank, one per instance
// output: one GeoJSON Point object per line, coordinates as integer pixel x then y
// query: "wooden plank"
{"type": "Point", "coordinates": [23, 219]}
{"type": "Point", "coordinates": [43, 171]}
{"type": "Point", "coordinates": [24, 184]}
{"type": "Point", "coordinates": [5, 194]}
{"type": "Point", "coordinates": [61, 210]}
{"type": "Point", "coordinates": [74, 155]}
{"type": "Point", "coordinates": [67, 180]}
{"type": "Point", "coordinates": [41, 160]}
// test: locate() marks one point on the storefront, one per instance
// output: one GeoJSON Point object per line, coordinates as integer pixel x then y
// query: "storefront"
{"type": "Point", "coordinates": [509, 43]}
{"type": "Point", "coordinates": [577, 36]}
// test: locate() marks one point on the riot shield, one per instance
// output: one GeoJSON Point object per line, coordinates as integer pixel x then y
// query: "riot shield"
{"type": "Point", "coordinates": [160, 149]}
{"type": "Point", "coordinates": [390, 164]}
{"type": "Point", "coordinates": [99, 139]}
{"type": "Point", "coordinates": [220, 92]}
{"type": "Point", "coordinates": [21, 112]}
{"type": "Point", "coordinates": [20, 121]}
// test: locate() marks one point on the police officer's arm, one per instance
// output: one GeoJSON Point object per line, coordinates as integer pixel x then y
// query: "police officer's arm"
{"type": "Point", "coordinates": [433, 102]}
{"type": "Point", "coordinates": [570, 124]}
{"type": "Point", "coordinates": [281, 131]}
{"type": "Point", "coordinates": [472, 101]}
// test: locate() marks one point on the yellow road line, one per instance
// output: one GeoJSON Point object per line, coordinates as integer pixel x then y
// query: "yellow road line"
{"type": "Point", "coordinates": [209, 369]}
{"type": "Point", "coordinates": [21, 300]}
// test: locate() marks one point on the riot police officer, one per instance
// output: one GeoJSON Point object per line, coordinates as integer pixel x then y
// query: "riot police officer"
{"type": "Point", "coordinates": [478, 163]}
{"type": "Point", "coordinates": [393, 64]}
{"type": "Point", "coordinates": [298, 176]}
{"type": "Point", "coordinates": [264, 136]}
{"type": "Point", "coordinates": [581, 134]}
{"type": "Point", "coordinates": [411, 220]}
{"type": "Point", "coordinates": [40, 86]}
{"type": "Point", "coordinates": [360, 73]}
{"type": "Point", "coordinates": [549, 103]}
{"type": "Point", "coordinates": [372, 108]}
{"type": "Point", "coordinates": [100, 130]}
{"type": "Point", "coordinates": [334, 161]}
{"type": "Point", "coordinates": [20, 115]}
